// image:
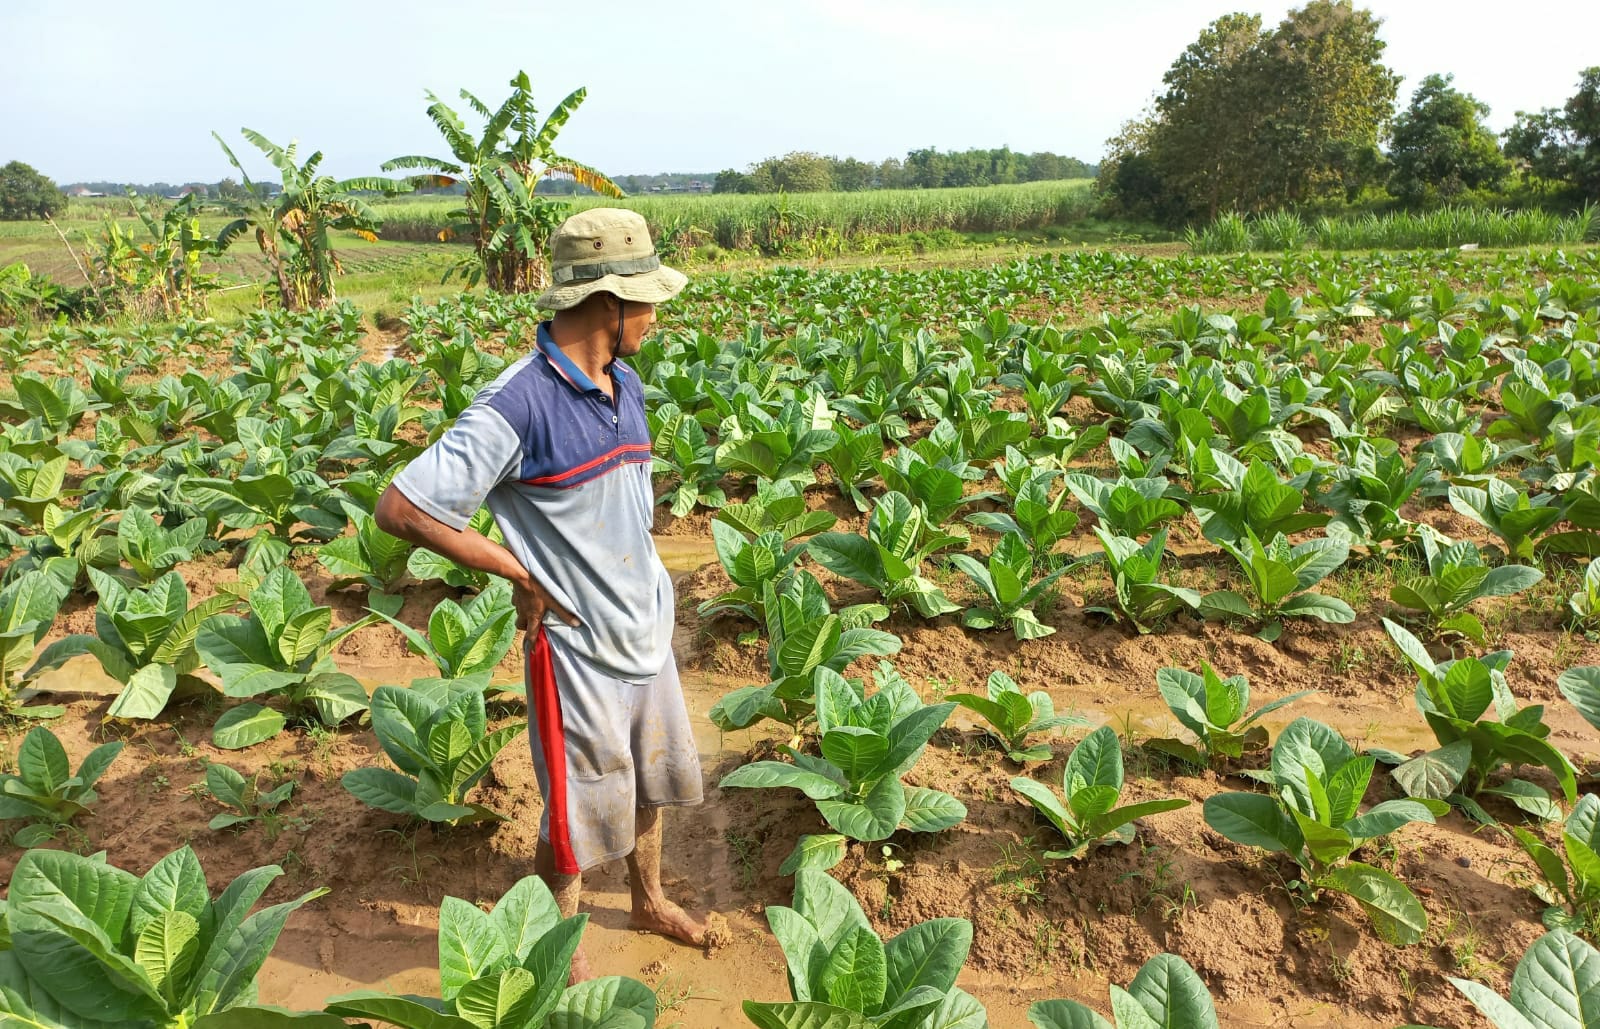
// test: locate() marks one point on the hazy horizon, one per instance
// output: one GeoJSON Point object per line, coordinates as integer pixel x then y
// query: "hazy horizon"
{"type": "Point", "coordinates": [671, 88]}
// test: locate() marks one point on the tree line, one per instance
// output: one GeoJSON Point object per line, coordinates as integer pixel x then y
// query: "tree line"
{"type": "Point", "coordinates": [927, 168]}
{"type": "Point", "coordinates": [1302, 115]}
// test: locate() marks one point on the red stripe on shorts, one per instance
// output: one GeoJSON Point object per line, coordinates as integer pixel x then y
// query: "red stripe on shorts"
{"type": "Point", "coordinates": [546, 701]}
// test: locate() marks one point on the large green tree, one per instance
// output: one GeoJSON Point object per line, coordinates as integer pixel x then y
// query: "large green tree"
{"type": "Point", "coordinates": [1562, 145]}
{"type": "Point", "coordinates": [24, 193]}
{"type": "Point", "coordinates": [1253, 119]}
{"type": "Point", "coordinates": [1441, 148]}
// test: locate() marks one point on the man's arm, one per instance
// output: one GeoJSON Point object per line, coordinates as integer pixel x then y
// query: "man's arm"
{"type": "Point", "coordinates": [399, 516]}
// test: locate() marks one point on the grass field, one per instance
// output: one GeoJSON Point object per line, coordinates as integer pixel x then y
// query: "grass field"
{"type": "Point", "coordinates": [772, 224]}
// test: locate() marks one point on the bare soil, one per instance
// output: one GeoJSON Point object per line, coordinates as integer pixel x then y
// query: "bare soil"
{"type": "Point", "coordinates": [1042, 929]}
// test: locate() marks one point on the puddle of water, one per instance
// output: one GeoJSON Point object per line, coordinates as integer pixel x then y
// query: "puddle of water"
{"type": "Point", "coordinates": [685, 554]}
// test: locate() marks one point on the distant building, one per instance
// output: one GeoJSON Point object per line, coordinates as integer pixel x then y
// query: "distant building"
{"type": "Point", "coordinates": [83, 191]}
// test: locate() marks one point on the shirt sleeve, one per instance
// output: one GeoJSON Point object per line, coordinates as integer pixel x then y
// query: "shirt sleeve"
{"type": "Point", "coordinates": [450, 479]}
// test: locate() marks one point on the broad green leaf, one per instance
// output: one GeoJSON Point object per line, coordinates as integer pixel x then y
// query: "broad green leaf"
{"type": "Point", "coordinates": [146, 694]}
{"type": "Point", "coordinates": [470, 946]}
{"type": "Point", "coordinates": [875, 817]}
{"type": "Point", "coordinates": [820, 851]}
{"type": "Point", "coordinates": [1172, 994]}
{"type": "Point", "coordinates": [1394, 909]}
{"type": "Point", "coordinates": [245, 726]}
{"type": "Point", "coordinates": [762, 774]}
{"type": "Point", "coordinates": [928, 954]}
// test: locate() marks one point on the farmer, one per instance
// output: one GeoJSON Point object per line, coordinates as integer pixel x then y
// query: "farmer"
{"type": "Point", "coordinates": [559, 448]}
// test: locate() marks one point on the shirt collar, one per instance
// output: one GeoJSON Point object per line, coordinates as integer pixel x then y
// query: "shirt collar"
{"type": "Point", "coordinates": [564, 365]}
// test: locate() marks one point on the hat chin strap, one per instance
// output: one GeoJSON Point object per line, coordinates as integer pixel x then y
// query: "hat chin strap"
{"type": "Point", "coordinates": [622, 310]}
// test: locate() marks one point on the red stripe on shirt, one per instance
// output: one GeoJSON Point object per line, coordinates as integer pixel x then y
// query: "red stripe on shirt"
{"type": "Point", "coordinates": [626, 448]}
{"type": "Point", "coordinates": [546, 701]}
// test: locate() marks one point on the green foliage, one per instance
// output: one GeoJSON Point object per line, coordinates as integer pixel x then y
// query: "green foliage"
{"type": "Point", "coordinates": [1454, 698]}
{"type": "Point", "coordinates": [1139, 594]}
{"type": "Point", "coordinates": [501, 215]}
{"type": "Point", "coordinates": [900, 537]}
{"type": "Point", "coordinates": [1559, 144]}
{"type": "Point", "coordinates": [805, 638]}
{"type": "Point", "coordinates": [24, 193]}
{"type": "Point", "coordinates": [1570, 888]}
{"type": "Point", "coordinates": [1300, 108]}
{"type": "Point", "coordinates": [1457, 576]}
{"type": "Point", "coordinates": [291, 227]}
{"type": "Point", "coordinates": [754, 565]}
{"type": "Point", "coordinates": [1440, 147]}
{"type": "Point", "coordinates": [45, 791]}
{"type": "Point", "coordinates": [1014, 716]}
{"type": "Point", "coordinates": [507, 969]}
{"type": "Point", "coordinates": [28, 606]}
{"type": "Point", "coordinates": [152, 549]}
{"type": "Point", "coordinates": [444, 748]}
{"type": "Point", "coordinates": [682, 453]}
{"type": "Point", "coordinates": [1040, 520]}
{"type": "Point", "coordinates": [842, 975]}
{"type": "Point", "coordinates": [284, 649]}
{"type": "Point", "coordinates": [1280, 578]}
{"type": "Point", "coordinates": [1215, 710]}
{"type": "Point", "coordinates": [92, 945]}
{"type": "Point", "coordinates": [1165, 992]}
{"type": "Point", "coordinates": [1510, 514]}
{"type": "Point", "coordinates": [1091, 784]}
{"type": "Point", "coordinates": [1312, 816]}
{"type": "Point", "coordinates": [465, 641]}
{"type": "Point", "coordinates": [1556, 983]}
{"type": "Point", "coordinates": [143, 638]}
{"type": "Point", "coordinates": [1008, 587]}
{"type": "Point", "coordinates": [866, 745]}
{"type": "Point", "coordinates": [242, 797]}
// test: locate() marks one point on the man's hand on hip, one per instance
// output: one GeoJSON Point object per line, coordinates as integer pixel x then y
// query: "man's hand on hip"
{"type": "Point", "coordinates": [532, 601]}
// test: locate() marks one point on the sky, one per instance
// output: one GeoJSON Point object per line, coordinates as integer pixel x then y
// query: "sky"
{"type": "Point", "coordinates": [119, 91]}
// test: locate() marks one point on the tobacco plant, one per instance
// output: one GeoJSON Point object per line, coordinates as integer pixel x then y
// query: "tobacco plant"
{"type": "Point", "coordinates": [866, 745]}
{"type": "Point", "coordinates": [45, 791]}
{"type": "Point", "coordinates": [1086, 813]}
{"type": "Point", "coordinates": [443, 749]}
{"type": "Point", "coordinates": [1216, 710]}
{"type": "Point", "coordinates": [92, 945]}
{"type": "Point", "coordinates": [1313, 816]}
{"type": "Point", "coordinates": [842, 975]}
{"type": "Point", "coordinates": [1165, 992]}
{"type": "Point", "coordinates": [144, 639]}
{"type": "Point", "coordinates": [1013, 716]}
{"type": "Point", "coordinates": [283, 649]}
{"type": "Point", "coordinates": [1454, 698]}
{"type": "Point", "coordinates": [507, 968]}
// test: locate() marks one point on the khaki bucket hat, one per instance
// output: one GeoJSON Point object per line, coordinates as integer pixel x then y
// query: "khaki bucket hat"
{"type": "Point", "coordinates": [607, 250]}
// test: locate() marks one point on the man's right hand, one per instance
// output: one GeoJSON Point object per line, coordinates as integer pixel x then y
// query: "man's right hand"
{"type": "Point", "coordinates": [532, 601]}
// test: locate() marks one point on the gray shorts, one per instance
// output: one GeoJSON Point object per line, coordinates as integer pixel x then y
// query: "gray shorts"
{"type": "Point", "coordinates": [602, 749]}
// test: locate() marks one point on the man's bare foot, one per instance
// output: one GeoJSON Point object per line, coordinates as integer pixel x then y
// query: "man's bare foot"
{"type": "Point", "coordinates": [667, 919]}
{"type": "Point", "coordinates": [581, 971]}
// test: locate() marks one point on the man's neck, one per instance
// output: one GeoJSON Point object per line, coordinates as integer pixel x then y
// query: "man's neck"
{"type": "Point", "coordinates": [590, 351]}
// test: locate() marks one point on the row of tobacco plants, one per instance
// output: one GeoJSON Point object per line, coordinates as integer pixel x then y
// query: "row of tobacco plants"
{"type": "Point", "coordinates": [1317, 425]}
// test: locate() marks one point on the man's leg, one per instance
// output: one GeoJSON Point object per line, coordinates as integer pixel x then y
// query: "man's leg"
{"type": "Point", "coordinates": [566, 889]}
{"type": "Point", "coordinates": [652, 911]}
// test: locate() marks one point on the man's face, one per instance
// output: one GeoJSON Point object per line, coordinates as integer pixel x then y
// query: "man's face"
{"type": "Point", "coordinates": [637, 321]}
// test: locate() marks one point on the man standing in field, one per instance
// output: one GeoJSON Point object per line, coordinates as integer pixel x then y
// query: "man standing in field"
{"type": "Point", "coordinates": [559, 448]}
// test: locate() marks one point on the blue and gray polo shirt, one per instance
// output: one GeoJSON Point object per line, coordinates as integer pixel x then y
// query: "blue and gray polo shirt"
{"type": "Point", "coordinates": [566, 473]}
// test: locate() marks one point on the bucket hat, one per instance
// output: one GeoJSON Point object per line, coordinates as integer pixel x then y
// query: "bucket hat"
{"type": "Point", "coordinates": [606, 250]}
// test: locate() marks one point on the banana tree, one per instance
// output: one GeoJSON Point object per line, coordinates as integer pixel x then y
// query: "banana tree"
{"type": "Point", "coordinates": [501, 212]}
{"type": "Point", "coordinates": [291, 228]}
